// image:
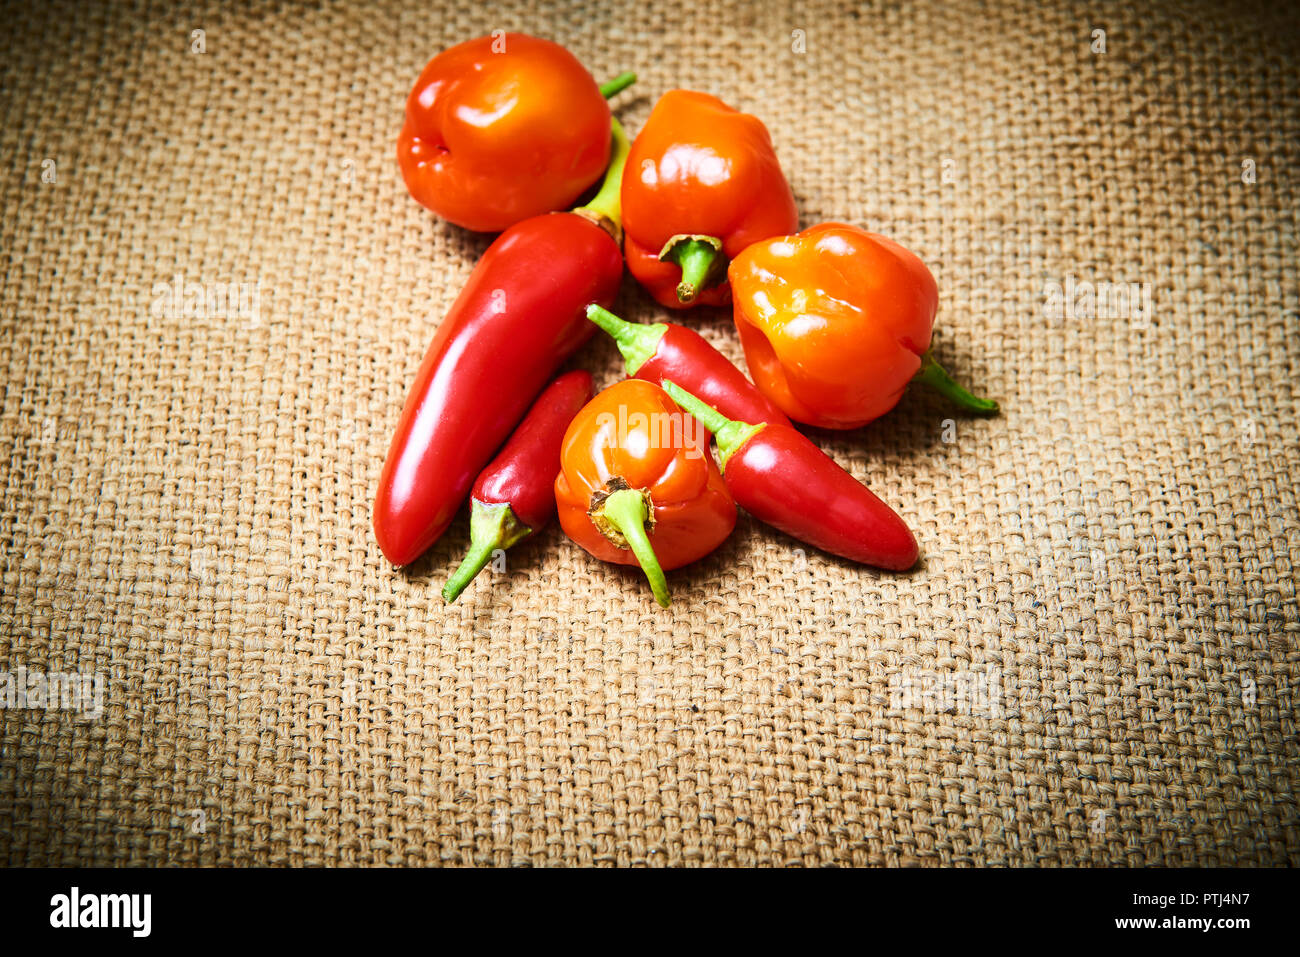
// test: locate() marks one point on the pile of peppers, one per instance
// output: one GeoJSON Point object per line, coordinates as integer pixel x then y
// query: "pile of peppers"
{"type": "Point", "coordinates": [504, 133]}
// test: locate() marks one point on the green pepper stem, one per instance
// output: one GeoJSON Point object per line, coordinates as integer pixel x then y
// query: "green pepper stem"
{"type": "Point", "coordinates": [638, 343]}
{"type": "Point", "coordinates": [606, 204]}
{"type": "Point", "coordinates": [936, 377]}
{"type": "Point", "coordinates": [701, 261]}
{"type": "Point", "coordinates": [617, 85]}
{"type": "Point", "coordinates": [491, 527]}
{"type": "Point", "coordinates": [730, 435]}
{"type": "Point", "coordinates": [626, 511]}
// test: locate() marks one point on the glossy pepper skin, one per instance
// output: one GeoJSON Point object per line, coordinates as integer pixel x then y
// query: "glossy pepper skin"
{"type": "Point", "coordinates": [514, 495]}
{"type": "Point", "coordinates": [521, 314]}
{"type": "Point", "coordinates": [835, 322]}
{"type": "Point", "coordinates": [665, 350]}
{"type": "Point", "coordinates": [702, 183]}
{"type": "Point", "coordinates": [634, 490]}
{"type": "Point", "coordinates": [783, 479]}
{"type": "Point", "coordinates": [502, 128]}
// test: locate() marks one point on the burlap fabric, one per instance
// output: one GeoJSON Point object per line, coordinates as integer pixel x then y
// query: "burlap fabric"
{"type": "Point", "coordinates": [1095, 664]}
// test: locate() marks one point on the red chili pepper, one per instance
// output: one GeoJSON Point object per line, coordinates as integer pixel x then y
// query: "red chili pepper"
{"type": "Point", "coordinates": [515, 495]}
{"type": "Point", "coordinates": [781, 478]}
{"type": "Point", "coordinates": [522, 313]}
{"type": "Point", "coordinates": [504, 127]}
{"type": "Point", "coordinates": [666, 350]}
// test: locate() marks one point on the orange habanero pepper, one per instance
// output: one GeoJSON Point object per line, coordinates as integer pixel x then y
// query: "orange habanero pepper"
{"type": "Point", "coordinates": [702, 182]}
{"type": "Point", "coordinates": [502, 128]}
{"type": "Point", "coordinates": [835, 322]}
{"type": "Point", "coordinates": [638, 486]}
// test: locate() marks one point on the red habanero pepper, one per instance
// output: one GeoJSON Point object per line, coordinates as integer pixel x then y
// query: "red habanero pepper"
{"type": "Point", "coordinates": [783, 479]}
{"type": "Point", "coordinates": [702, 183]}
{"type": "Point", "coordinates": [636, 487]}
{"type": "Point", "coordinates": [515, 495]}
{"type": "Point", "coordinates": [835, 322]}
{"type": "Point", "coordinates": [665, 350]}
{"type": "Point", "coordinates": [502, 128]}
{"type": "Point", "coordinates": [521, 314]}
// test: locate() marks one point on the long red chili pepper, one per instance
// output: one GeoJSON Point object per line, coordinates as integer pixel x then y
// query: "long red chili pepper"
{"type": "Point", "coordinates": [665, 350]}
{"type": "Point", "coordinates": [783, 479]}
{"type": "Point", "coordinates": [515, 495]}
{"type": "Point", "coordinates": [520, 315]}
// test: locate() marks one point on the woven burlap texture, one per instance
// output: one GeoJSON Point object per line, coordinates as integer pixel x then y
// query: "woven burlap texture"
{"type": "Point", "coordinates": [1095, 663]}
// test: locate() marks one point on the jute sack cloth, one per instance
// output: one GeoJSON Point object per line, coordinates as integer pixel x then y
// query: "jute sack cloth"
{"type": "Point", "coordinates": [1094, 664]}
